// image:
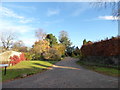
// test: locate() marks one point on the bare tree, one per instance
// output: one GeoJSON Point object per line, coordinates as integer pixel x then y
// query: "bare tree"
{"type": "Point", "coordinates": [18, 43]}
{"type": "Point", "coordinates": [63, 34]}
{"type": "Point", "coordinates": [6, 39]}
{"type": "Point", "coordinates": [40, 34]}
{"type": "Point", "coordinates": [19, 46]}
{"type": "Point", "coordinates": [114, 5]}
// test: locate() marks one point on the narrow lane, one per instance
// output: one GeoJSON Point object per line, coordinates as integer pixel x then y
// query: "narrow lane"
{"type": "Point", "coordinates": [65, 74]}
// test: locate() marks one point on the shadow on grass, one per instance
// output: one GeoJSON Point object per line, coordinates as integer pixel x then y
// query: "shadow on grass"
{"type": "Point", "coordinates": [41, 65]}
{"type": "Point", "coordinates": [23, 70]}
{"type": "Point", "coordinates": [54, 66]}
{"type": "Point", "coordinates": [12, 74]}
{"type": "Point", "coordinates": [27, 68]}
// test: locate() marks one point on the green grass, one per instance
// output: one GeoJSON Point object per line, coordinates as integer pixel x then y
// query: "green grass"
{"type": "Point", "coordinates": [102, 70]}
{"type": "Point", "coordinates": [25, 68]}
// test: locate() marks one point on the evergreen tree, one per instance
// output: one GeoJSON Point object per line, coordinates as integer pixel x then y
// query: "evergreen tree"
{"type": "Point", "coordinates": [51, 39]}
{"type": "Point", "coordinates": [84, 42]}
{"type": "Point", "coordinates": [63, 38]}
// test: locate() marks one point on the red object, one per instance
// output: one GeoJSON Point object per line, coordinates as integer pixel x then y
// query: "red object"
{"type": "Point", "coordinates": [16, 59]}
{"type": "Point", "coordinates": [22, 57]}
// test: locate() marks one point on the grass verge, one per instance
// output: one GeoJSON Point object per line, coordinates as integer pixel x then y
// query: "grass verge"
{"type": "Point", "coordinates": [103, 70]}
{"type": "Point", "coordinates": [25, 68]}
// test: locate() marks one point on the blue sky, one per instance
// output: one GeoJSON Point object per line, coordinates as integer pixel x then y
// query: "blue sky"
{"type": "Point", "coordinates": [81, 20]}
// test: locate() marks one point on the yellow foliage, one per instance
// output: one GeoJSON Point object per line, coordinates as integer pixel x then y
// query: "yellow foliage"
{"type": "Point", "coordinates": [41, 46]}
{"type": "Point", "coordinates": [60, 48]}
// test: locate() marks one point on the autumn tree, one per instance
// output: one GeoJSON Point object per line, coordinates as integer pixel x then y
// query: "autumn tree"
{"type": "Point", "coordinates": [60, 48]}
{"type": "Point", "coordinates": [41, 46]}
{"type": "Point", "coordinates": [52, 54]}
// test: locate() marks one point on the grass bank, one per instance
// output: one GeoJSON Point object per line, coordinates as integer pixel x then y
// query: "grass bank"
{"type": "Point", "coordinates": [25, 68]}
{"type": "Point", "coordinates": [100, 69]}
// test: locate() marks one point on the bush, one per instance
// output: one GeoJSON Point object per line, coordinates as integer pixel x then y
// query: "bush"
{"type": "Point", "coordinates": [63, 56]}
{"type": "Point", "coordinates": [16, 59]}
{"type": "Point", "coordinates": [29, 56]}
{"type": "Point", "coordinates": [36, 56]}
{"type": "Point", "coordinates": [52, 54]}
{"type": "Point", "coordinates": [22, 57]}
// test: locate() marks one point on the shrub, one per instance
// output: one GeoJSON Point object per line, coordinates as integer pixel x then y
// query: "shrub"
{"type": "Point", "coordinates": [36, 56]}
{"type": "Point", "coordinates": [60, 48]}
{"type": "Point", "coordinates": [63, 56]}
{"type": "Point", "coordinates": [22, 57]}
{"type": "Point", "coordinates": [16, 59]}
{"type": "Point", "coordinates": [29, 56]}
{"type": "Point", "coordinates": [52, 54]}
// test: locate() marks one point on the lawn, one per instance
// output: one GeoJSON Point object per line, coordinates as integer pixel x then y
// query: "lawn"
{"type": "Point", "coordinates": [102, 70]}
{"type": "Point", "coordinates": [25, 68]}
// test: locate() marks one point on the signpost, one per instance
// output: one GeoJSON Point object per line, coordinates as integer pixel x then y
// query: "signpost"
{"type": "Point", "coordinates": [4, 65]}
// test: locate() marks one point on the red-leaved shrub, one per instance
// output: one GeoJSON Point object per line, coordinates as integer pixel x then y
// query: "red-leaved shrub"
{"type": "Point", "coordinates": [22, 57]}
{"type": "Point", "coordinates": [16, 59]}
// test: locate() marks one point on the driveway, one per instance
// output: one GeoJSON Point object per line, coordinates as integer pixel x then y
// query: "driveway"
{"type": "Point", "coordinates": [65, 74]}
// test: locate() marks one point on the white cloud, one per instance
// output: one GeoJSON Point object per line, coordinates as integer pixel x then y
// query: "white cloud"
{"type": "Point", "coordinates": [10, 26]}
{"type": "Point", "coordinates": [5, 12]}
{"type": "Point", "coordinates": [52, 12]}
{"type": "Point", "coordinates": [109, 18]}
{"type": "Point", "coordinates": [103, 18]}
{"type": "Point", "coordinates": [27, 9]}
{"type": "Point", "coordinates": [9, 13]}
{"type": "Point", "coordinates": [15, 23]}
{"type": "Point", "coordinates": [19, 30]}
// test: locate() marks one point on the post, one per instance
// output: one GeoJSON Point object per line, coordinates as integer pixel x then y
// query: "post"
{"type": "Point", "coordinates": [5, 70]}
{"type": "Point", "coordinates": [4, 65]}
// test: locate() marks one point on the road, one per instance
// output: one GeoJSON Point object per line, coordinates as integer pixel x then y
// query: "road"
{"type": "Point", "coordinates": [65, 74]}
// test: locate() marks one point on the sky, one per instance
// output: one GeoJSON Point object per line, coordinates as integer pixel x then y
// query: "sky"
{"type": "Point", "coordinates": [81, 20]}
